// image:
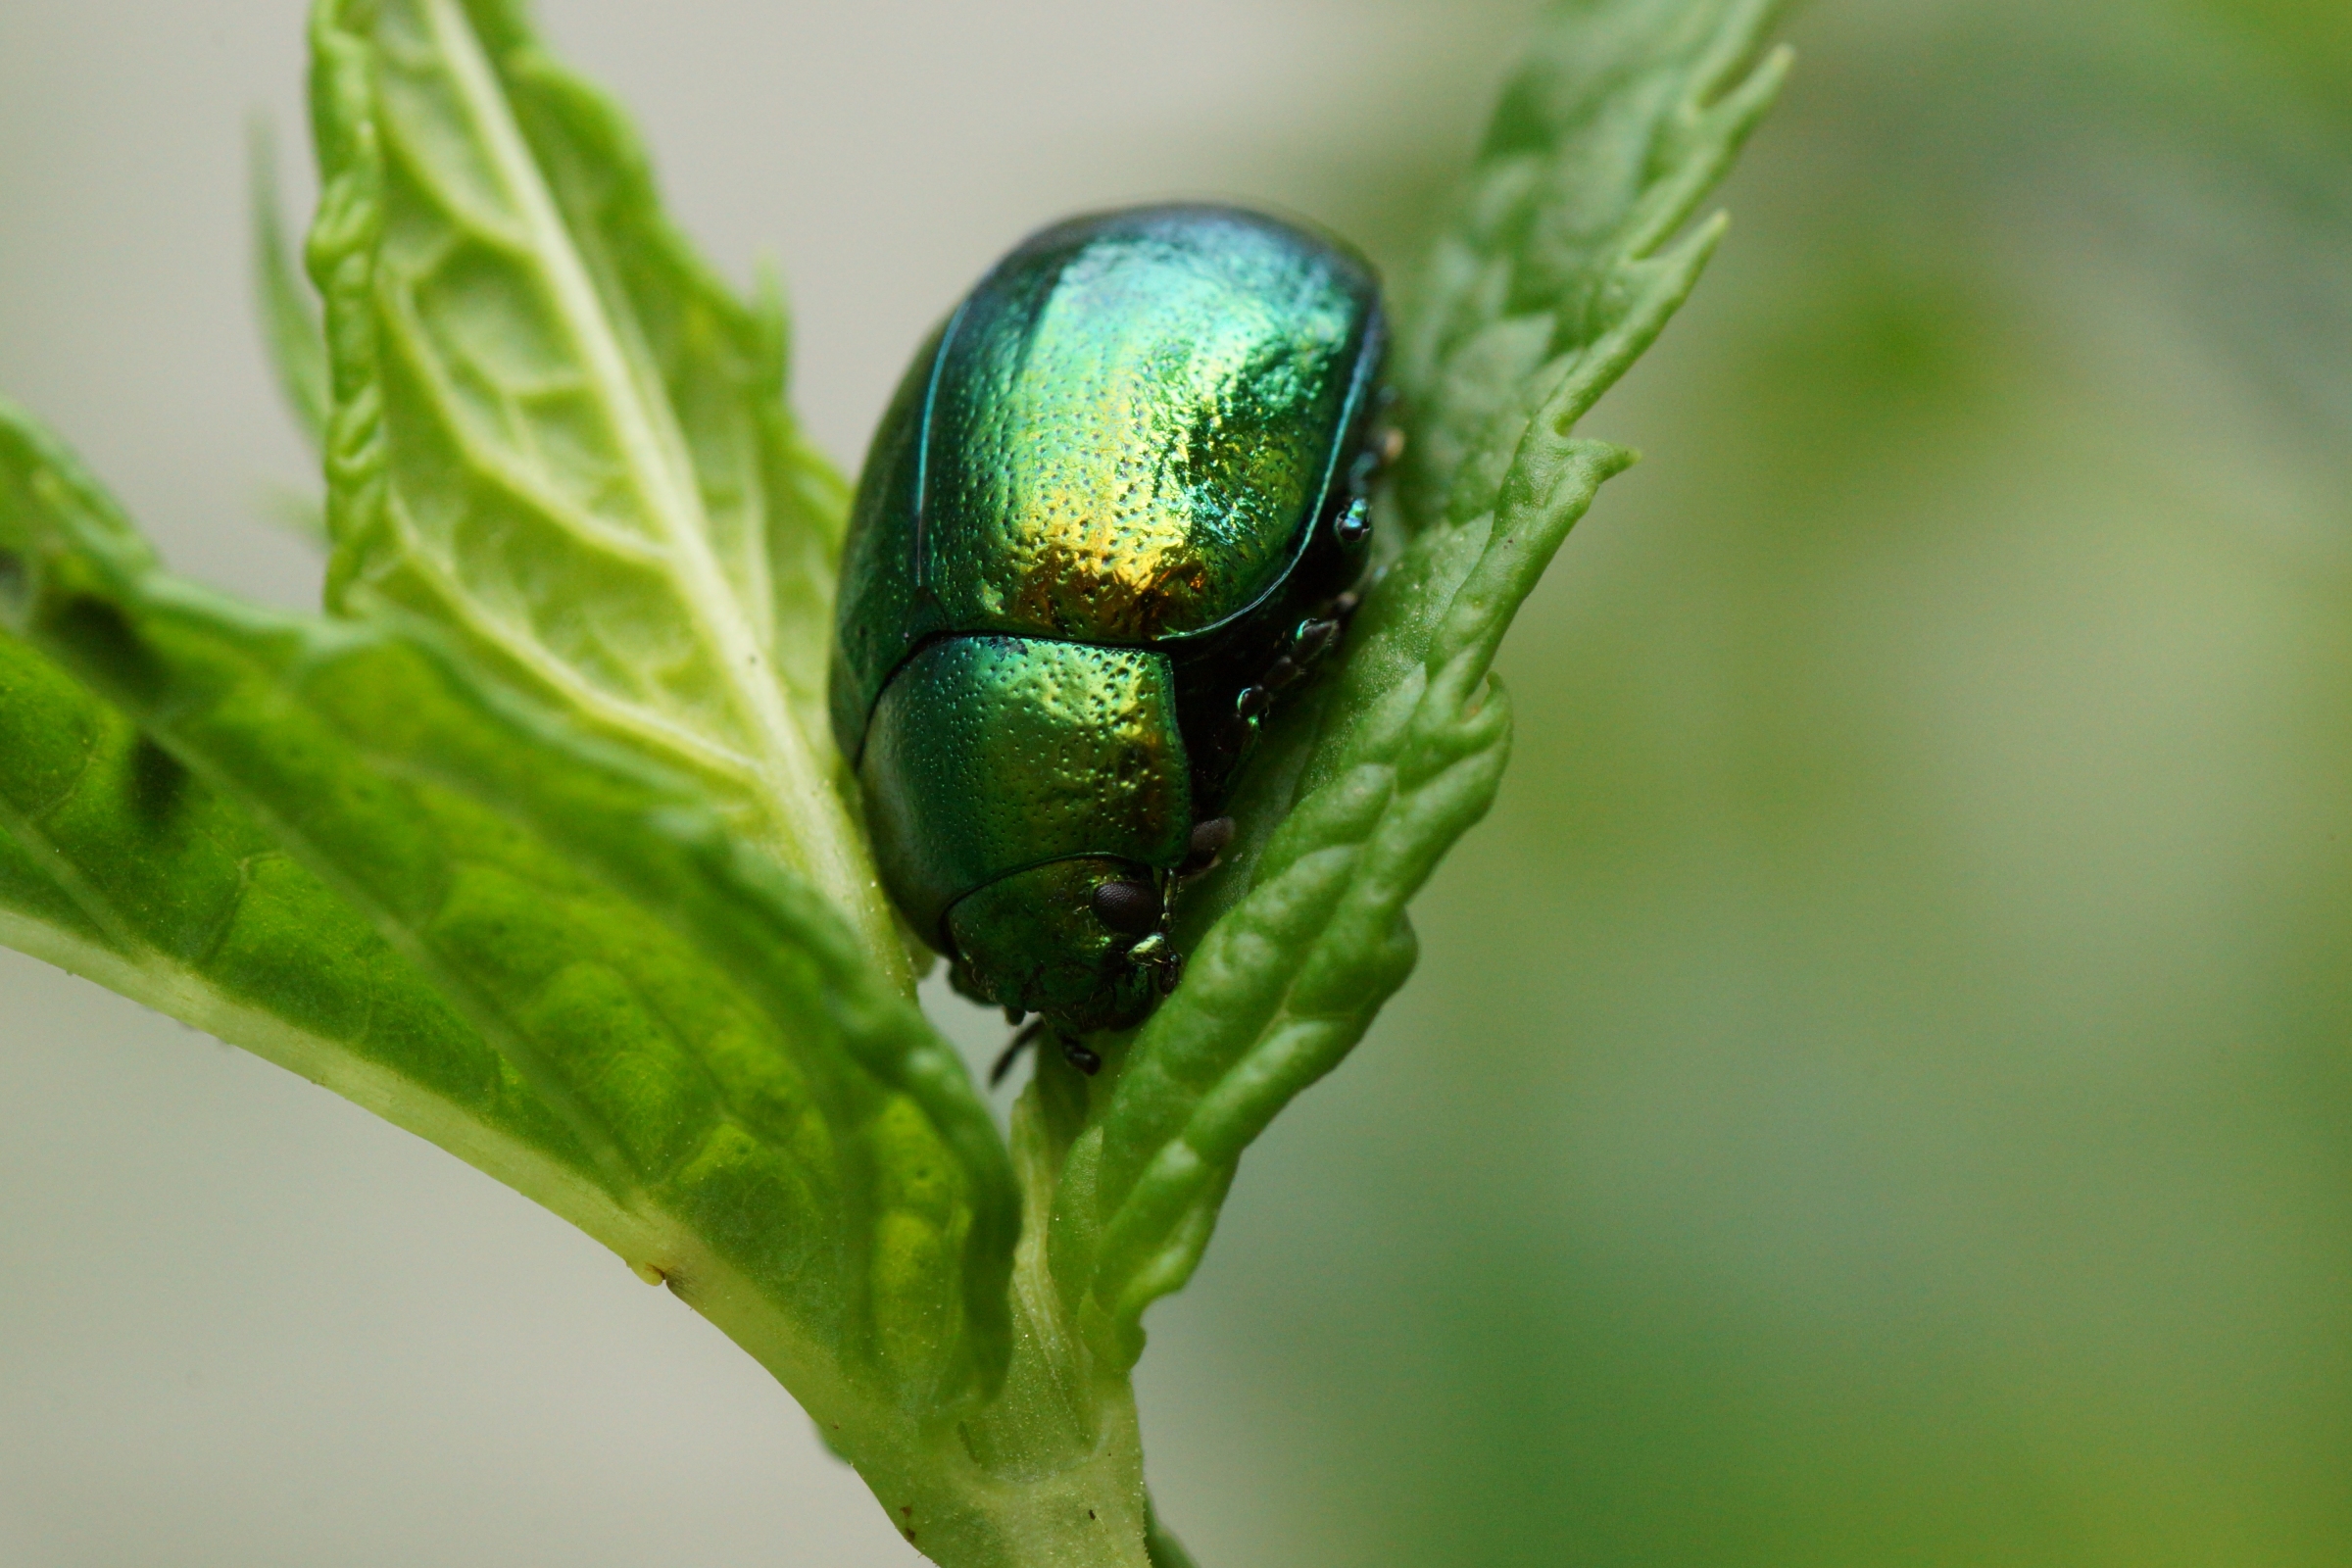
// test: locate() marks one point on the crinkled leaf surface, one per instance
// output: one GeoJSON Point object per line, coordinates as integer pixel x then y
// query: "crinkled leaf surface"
{"type": "Point", "coordinates": [559, 436]}
{"type": "Point", "coordinates": [1560, 269]}
{"type": "Point", "coordinates": [740, 1101]}
{"type": "Point", "coordinates": [120, 865]}
{"type": "Point", "coordinates": [537, 845]}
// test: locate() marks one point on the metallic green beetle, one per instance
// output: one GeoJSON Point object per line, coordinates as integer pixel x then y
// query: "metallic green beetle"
{"type": "Point", "coordinates": [1115, 505]}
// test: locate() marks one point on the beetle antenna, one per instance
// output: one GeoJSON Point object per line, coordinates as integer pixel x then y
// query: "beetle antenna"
{"type": "Point", "coordinates": [1021, 1041]}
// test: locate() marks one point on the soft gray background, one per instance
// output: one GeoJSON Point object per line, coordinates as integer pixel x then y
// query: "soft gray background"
{"type": "Point", "coordinates": [246, 1323]}
{"type": "Point", "coordinates": [1878, 1089]}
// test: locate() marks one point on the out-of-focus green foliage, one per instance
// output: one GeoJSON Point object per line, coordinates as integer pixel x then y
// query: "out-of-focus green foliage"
{"type": "Point", "coordinates": [1877, 1091]}
{"type": "Point", "coordinates": [552, 776]}
{"type": "Point", "coordinates": [558, 436]}
{"type": "Point", "coordinates": [1556, 275]}
{"type": "Point", "coordinates": [735, 1099]}
{"type": "Point", "coordinates": [2310, 40]}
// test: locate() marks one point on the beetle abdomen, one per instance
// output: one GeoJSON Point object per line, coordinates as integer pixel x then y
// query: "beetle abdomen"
{"type": "Point", "coordinates": [989, 755]}
{"type": "Point", "coordinates": [1114, 508]}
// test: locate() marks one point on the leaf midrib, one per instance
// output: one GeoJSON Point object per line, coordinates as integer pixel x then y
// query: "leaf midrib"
{"type": "Point", "coordinates": [806, 821]}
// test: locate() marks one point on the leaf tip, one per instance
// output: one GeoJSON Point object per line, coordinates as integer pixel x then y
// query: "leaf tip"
{"type": "Point", "coordinates": [1746, 103]}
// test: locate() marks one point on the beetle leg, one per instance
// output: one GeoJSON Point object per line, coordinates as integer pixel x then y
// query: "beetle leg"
{"type": "Point", "coordinates": [1310, 642]}
{"type": "Point", "coordinates": [1158, 953]}
{"type": "Point", "coordinates": [1379, 454]}
{"type": "Point", "coordinates": [1076, 1055]}
{"type": "Point", "coordinates": [1354, 526]}
{"type": "Point", "coordinates": [1313, 639]}
{"type": "Point", "coordinates": [1388, 436]}
{"type": "Point", "coordinates": [1383, 445]}
{"type": "Point", "coordinates": [1020, 1042]}
{"type": "Point", "coordinates": [1206, 848]}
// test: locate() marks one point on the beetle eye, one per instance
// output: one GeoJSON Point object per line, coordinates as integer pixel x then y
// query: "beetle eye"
{"type": "Point", "coordinates": [1128, 907]}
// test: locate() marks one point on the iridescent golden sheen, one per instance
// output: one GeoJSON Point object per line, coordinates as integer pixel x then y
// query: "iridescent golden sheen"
{"type": "Point", "coordinates": [1081, 528]}
{"type": "Point", "coordinates": [1121, 436]}
{"type": "Point", "coordinates": [1126, 440]}
{"type": "Point", "coordinates": [991, 754]}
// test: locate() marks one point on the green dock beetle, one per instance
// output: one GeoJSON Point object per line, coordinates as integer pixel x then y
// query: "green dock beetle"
{"type": "Point", "coordinates": [1116, 505]}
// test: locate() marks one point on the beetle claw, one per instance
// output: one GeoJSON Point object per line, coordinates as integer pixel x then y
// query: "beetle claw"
{"type": "Point", "coordinates": [1158, 953]}
{"type": "Point", "coordinates": [1312, 640]}
{"type": "Point", "coordinates": [1354, 525]}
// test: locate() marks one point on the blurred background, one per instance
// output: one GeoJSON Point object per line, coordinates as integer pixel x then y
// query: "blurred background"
{"type": "Point", "coordinates": [1876, 1092]}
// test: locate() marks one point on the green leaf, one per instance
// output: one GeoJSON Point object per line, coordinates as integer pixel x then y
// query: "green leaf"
{"type": "Point", "coordinates": [1560, 270]}
{"type": "Point", "coordinates": [741, 1101]}
{"type": "Point", "coordinates": [289, 313]}
{"type": "Point", "coordinates": [118, 864]}
{"type": "Point", "coordinates": [1626, 114]}
{"type": "Point", "coordinates": [560, 438]}
{"type": "Point", "coordinates": [538, 845]}
{"type": "Point", "coordinates": [1166, 1551]}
